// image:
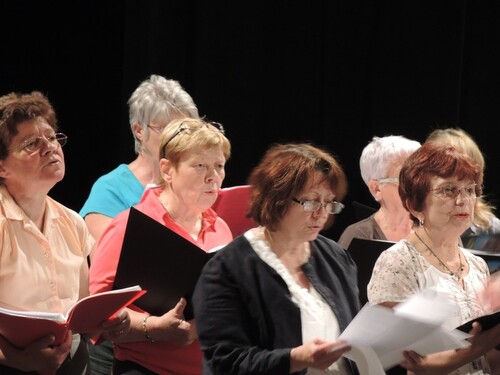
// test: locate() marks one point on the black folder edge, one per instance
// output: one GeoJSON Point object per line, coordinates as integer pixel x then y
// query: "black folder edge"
{"type": "Point", "coordinates": [163, 262]}
{"type": "Point", "coordinates": [365, 253]}
{"type": "Point", "coordinates": [486, 321]}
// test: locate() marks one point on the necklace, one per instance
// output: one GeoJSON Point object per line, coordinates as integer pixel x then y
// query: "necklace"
{"type": "Point", "coordinates": [458, 274]}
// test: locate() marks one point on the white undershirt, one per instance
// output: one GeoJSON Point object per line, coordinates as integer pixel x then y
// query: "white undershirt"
{"type": "Point", "coordinates": [317, 318]}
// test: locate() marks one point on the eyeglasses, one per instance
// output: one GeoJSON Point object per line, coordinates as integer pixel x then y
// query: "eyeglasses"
{"type": "Point", "coordinates": [451, 191]}
{"type": "Point", "coordinates": [331, 208]}
{"type": "Point", "coordinates": [388, 180]}
{"type": "Point", "coordinates": [157, 129]}
{"type": "Point", "coordinates": [186, 126]}
{"type": "Point", "coordinates": [35, 144]}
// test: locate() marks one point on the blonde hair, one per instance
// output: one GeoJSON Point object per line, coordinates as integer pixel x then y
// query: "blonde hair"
{"type": "Point", "coordinates": [463, 142]}
{"type": "Point", "coordinates": [186, 134]}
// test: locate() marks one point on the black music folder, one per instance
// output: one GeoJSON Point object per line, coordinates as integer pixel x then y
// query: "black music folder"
{"type": "Point", "coordinates": [487, 246]}
{"type": "Point", "coordinates": [161, 261]}
{"type": "Point", "coordinates": [487, 322]}
{"type": "Point", "coordinates": [365, 253]}
{"type": "Point", "coordinates": [489, 243]}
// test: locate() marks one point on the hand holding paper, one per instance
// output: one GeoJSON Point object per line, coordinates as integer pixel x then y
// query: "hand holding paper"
{"type": "Point", "coordinates": [317, 353]}
{"type": "Point", "coordinates": [379, 335]}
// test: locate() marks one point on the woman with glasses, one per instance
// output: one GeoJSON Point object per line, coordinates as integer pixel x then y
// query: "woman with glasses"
{"type": "Point", "coordinates": [380, 163]}
{"type": "Point", "coordinates": [43, 245]}
{"type": "Point", "coordinates": [193, 154]}
{"type": "Point", "coordinates": [439, 187]}
{"type": "Point", "coordinates": [275, 300]}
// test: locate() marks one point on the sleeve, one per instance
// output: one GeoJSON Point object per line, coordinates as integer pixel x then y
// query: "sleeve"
{"type": "Point", "coordinates": [113, 193]}
{"type": "Point", "coordinates": [347, 235]}
{"type": "Point", "coordinates": [107, 255]}
{"type": "Point", "coordinates": [86, 239]}
{"type": "Point", "coordinates": [225, 328]}
{"type": "Point", "coordinates": [102, 200]}
{"type": "Point", "coordinates": [361, 229]}
{"type": "Point", "coordinates": [394, 276]}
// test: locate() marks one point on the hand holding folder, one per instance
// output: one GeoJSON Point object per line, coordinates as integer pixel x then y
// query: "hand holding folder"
{"type": "Point", "coordinates": [21, 328]}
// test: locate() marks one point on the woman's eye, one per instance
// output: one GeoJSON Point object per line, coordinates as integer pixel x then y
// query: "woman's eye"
{"type": "Point", "coordinates": [449, 190]}
{"type": "Point", "coordinates": [33, 144]}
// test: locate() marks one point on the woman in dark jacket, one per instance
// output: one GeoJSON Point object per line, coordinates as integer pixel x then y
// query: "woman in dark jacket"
{"type": "Point", "coordinates": [275, 300]}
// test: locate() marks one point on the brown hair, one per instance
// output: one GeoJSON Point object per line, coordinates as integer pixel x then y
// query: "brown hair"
{"type": "Point", "coordinates": [433, 159]}
{"type": "Point", "coordinates": [16, 108]}
{"type": "Point", "coordinates": [282, 173]}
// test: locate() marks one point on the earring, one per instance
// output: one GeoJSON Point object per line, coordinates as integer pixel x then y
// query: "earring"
{"type": "Point", "coordinates": [421, 221]}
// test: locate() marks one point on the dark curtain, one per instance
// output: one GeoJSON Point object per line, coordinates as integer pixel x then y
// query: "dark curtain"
{"type": "Point", "coordinates": [334, 73]}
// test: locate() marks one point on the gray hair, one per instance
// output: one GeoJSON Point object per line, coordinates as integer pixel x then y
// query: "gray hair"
{"type": "Point", "coordinates": [158, 99]}
{"type": "Point", "coordinates": [381, 152]}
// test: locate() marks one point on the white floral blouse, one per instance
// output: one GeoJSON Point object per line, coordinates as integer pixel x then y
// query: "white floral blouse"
{"type": "Point", "coordinates": [401, 271]}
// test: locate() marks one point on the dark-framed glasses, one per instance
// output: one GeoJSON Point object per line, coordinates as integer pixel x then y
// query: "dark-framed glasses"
{"type": "Point", "coordinates": [32, 145]}
{"type": "Point", "coordinates": [189, 126]}
{"type": "Point", "coordinates": [331, 208]}
{"type": "Point", "coordinates": [388, 180]}
{"type": "Point", "coordinates": [453, 191]}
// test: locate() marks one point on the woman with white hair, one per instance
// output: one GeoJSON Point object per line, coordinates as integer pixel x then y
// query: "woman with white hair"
{"type": "Point", "coordinates": [380, 163]}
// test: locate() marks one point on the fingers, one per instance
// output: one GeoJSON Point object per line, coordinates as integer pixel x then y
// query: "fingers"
{"type": "Point", "coordinates": [122, 318]}
{"type": "Point", "coordinates": [118, 326]}
{"type": "Point", "coordinates": [476, 328]}
{"type": "Point", "coordinates": [413, 360]}
{"type": "Point", "coordinates": [179, 308]}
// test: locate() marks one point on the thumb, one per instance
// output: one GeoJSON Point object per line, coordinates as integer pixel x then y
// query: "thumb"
{"type": "Point", "coordinates": [43, 342]}
{"type": "Point", "coordinates": [476, 328]}
{"type": "Point", "coordinates": [179, 308]}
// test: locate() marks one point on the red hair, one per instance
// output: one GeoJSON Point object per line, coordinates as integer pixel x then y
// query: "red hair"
{"type": "Point", "coordinates": [433, 160]}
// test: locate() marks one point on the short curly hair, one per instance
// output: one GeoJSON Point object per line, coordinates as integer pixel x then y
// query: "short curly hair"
{"type": "Point", "coordinates": [433, 159]}
{"type": "Point", "coordinates": [16, 108]}
{"type": "Point", "coordinates": [284, 172]}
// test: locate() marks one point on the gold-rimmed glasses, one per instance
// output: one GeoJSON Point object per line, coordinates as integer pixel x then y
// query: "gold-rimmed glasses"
{"type": "Point", "coordinates": [35, 144]}
{"type": "Point", "coordinates": [453, 191]}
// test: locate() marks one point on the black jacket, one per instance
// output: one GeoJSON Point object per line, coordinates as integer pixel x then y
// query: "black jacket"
{"type": "Point", "coordinates": [247, 322]}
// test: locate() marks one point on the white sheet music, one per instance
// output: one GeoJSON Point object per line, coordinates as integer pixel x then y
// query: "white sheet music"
{"type": "Point", "coordinates": [379, 335]}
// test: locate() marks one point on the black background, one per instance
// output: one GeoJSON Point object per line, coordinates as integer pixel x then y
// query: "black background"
{"type": "Point", "coordinates": [332, 72]}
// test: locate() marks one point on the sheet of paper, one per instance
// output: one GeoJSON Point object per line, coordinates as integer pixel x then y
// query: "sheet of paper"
{"type": "Point", "coordinates": [414, 325]}
{"type": "Point", "coordinates": [426, 306]}
{"type": "Point", "coordinates": [366, 360]}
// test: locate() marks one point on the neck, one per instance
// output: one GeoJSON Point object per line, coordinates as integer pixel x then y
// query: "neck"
{"type": "Point", "coordinates": [33, 205]}
{"type": "Point", "coordinates": [395, 225]}
{"type": "Point", "coordinates": [285, 247]}
{"type": "Point", "coordinates": [447, 258]}
{"type": "Point", "coordinates": [145, 170]}
{"type": "Point", "coordinates": [292, 254]}
{"type": "Point", "coordinates": [442, 245]}
{"type": "Point", "coordinates": [189, 220]}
